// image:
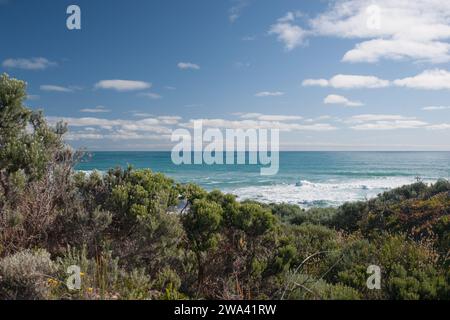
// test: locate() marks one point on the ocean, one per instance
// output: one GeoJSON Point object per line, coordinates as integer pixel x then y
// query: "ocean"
{"type": "Point", "coordinates": [308, 179]}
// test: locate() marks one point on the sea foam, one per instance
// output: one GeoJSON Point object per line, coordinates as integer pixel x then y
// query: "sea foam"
{"type": "Point", "coordinates": [328, 193]}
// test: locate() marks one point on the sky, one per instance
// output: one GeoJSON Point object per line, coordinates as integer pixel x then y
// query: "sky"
{"type": "Point", "coordinates": [331, 75]}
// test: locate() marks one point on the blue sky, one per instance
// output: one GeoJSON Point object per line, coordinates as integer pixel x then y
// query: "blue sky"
{"type": "Point", "coordinates": [322, 71]}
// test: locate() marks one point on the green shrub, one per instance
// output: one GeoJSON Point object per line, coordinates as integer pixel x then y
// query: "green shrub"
{"type": "Point", "coordinates": [322, 216]}
{"type": "Point", "coordinates": [25, 275]}
{"type": "Point", "coordinates": [348, 216]}
{"type": "Point", "coordinates": [305, 287]}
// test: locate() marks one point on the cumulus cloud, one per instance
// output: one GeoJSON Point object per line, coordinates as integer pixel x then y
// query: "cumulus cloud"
{"type": "Point", "coordinates": [287, 32]}
{"type": "Point", "coordinates": [432, 79]}
{"type": "Point", "coordinates": [188, 65]}
{"type": "Point", "coordinates": [344, 81]}
{"type": "Point", "coordinates": [337, 99]}
{"type": "Point", "coordinates": [122, 85]}
{"type": "Point", "coordinates": [315, 82]}
{"type": "Point", "coordinates": [374, 50]}
{"type": "Point", "coordinates": [269, 94]}
{"type": "Point", "coordinates": [387, 29]}
{"type": "Point", "coordinates": [436, 79]}
{"type": "Point", "coordinates": [28, 64]}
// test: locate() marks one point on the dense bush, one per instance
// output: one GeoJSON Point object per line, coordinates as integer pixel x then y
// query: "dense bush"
{"type": "Point", "coordinates": [25, 275]}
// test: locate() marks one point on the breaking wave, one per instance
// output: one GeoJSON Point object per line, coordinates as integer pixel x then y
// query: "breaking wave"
{"type": "Point", "coordinates": [328, 193]}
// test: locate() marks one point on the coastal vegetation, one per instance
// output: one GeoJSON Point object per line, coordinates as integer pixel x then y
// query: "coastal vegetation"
{"type": "Point", "coordinates": [137, 234]}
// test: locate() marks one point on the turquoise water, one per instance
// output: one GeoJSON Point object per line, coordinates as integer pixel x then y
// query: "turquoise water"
{"type": "Point", "coordinates": [304, 178]}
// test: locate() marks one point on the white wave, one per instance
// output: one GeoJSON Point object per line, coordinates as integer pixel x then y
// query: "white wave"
{"type": "Point", "coordinates": [89, 172]}
{"type": "Point", "coordinates": [329, 193]}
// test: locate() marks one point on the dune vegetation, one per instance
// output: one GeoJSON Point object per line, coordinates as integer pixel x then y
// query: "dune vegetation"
{"type": "Point", "coordinates": [129, 236]}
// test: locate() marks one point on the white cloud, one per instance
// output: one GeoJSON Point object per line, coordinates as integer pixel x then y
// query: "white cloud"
{"type": "Point", "coordinates": [390, 125]}
{"type": "Point", "coordinates": [291, 35]}
{"type": "Point", "coordinates": [287, 32]}
{"type": "Point", "coordinates": [122, 127]}
{"type": "Point", "coordinates": [172, 120]}
{"type": "Point", "coordinates": [97, 109]}
{"type": "Point", "coordinates": [55, 88]}
{"type": "Point", "coordinates": [337, 99]}
{"type": "Point", "coordinates": [343, 81]}
{"type": "Point", "coordinates": [267, 117]}
{"type": "Point", "coordinates": [436, 79]}
{"type": "Point", "coordinates": [285, 123]}
{"type": "Point", "coordinates": [122, 85]}
{"type": "Point", "coordinates": [315, 82]}
{"type": "Point", "coordinates": [188, 65]}
{"type": "Point", "coordinates": [236, 10]}
{"type": "Point", "coordinates": [378, 117]}
{"type": "Point", "coordinates": [161, 127]}
{"type": "Point", "coordinates": [151, 95]}
{"type": "Point", "coordinates": [441, 126]}
{"type": "Point", "coordinates": [28, 64]}
{"type": "Point", "coordinates": [316, 127]}
{"type": "Point", "coordinates": [319, 118]}
{"type": "Point", "coordinates": [120, 135]}
{"type": "Point", "coordinates": [384, 122]}
{"type": "Point", "coordinates": [75, 136]}
{"type": "Point", "coordinates": [373, 50]}
{"type": "Point", "coordinates": [433, 79]}
{"type": "Point", "coordinates": [258, 124]}
{"type": "Point", "coordinates": [141, 114]}
{"type": "Point", "coordinates": [436, 108]}
{"type": "Point", "coordinates": [290, 16]}
{"type": "Point", "coordinates": [356, 81]}
{"type": "Point", "coordinates": [387, 29]}
{"type": "Point", "coordinates": [247, 115]}
{"type": "Point", "coordinates": [32, 97]}
{"type": "Point", "coordinates": [269, 94]}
